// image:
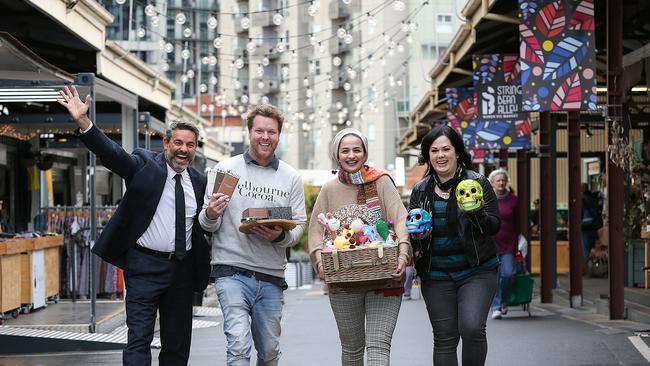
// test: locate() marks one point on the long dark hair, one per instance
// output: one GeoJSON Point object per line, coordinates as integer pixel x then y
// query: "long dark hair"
{"type": "Point", "coordinates": [464, 158]}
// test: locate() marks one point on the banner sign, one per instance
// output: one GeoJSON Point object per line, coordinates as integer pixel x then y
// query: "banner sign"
{"type": "Point", "coordinates": [500, 121]}
{"type": "Point", "coordinates": [462, 117]}
{"type": "Point", "coordinates": [558, 57]}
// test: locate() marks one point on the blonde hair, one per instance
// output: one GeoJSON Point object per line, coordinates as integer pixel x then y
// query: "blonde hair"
{"type": "Point", "coordinates": [266, 110]}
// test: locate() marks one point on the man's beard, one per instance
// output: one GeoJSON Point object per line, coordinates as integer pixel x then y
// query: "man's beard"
{"type": "Point", "coordinates": [169, 157]}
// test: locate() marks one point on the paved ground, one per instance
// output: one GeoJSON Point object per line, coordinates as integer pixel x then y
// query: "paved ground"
{"type": "Point", "coordinates": [554, 335]}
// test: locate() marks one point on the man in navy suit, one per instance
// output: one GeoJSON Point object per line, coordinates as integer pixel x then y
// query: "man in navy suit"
{"type": "Point", "coordinates": [154, 234]}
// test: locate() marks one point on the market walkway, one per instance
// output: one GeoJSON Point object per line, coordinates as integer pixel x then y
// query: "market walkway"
{"type": "Point", "coordinates": [554, 335]}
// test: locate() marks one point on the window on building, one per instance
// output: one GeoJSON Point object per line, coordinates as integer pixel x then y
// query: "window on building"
{"type": "Point", "coordinates": [371, 132]}
{"type": "Point", "coordinates": [443, 23]}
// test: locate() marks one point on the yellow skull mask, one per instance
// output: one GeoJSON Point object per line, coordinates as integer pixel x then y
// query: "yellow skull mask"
{"type": "Point", "coordinates": [469, 195]}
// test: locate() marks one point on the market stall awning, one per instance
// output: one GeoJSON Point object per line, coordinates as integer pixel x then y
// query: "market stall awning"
{"type": "Point", "coordinates": [24, 76]}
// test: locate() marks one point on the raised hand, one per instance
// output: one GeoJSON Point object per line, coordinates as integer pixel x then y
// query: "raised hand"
{"type": "Point", "coordinates": [78, 110]}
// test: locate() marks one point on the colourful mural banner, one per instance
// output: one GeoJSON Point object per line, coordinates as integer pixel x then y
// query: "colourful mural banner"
{"type": "Point", "coordinates": [462, 117]}
{"type": "Point", "coordinates": [500, 122]}
{"type": "Point", "coordinates": [558, 55]}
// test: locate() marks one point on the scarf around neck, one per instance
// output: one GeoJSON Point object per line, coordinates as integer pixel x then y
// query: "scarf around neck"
{"type": "Point", "coordinates": [365, 180]}
{"type": "Point", "coordinates": [451, 183]}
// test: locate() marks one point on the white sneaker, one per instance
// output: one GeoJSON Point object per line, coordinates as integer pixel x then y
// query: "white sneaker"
{"type": "Point", "coordinates": [504, 309]}
{"type": "Point", "coordinates": [496, 314]}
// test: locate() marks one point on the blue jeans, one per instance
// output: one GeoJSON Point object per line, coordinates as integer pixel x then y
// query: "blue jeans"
{"type": "Point", "coordinates": [408, 282]}
{"type": "Point", "coordinates": [252, 310]}
{"type": "Point", "coordinates": [505, 277]}
{"type": "Point", "coordinates": [588, 242]}
{"type": "Point", "coordinates": [459, 309]}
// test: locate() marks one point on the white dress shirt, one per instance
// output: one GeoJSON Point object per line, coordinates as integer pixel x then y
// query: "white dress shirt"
{"type": "Point", "coordinates": [161, 233]}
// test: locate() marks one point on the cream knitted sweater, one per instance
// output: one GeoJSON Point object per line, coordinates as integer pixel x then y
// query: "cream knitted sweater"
{"type": "Point", "coordinates": [335, 195]}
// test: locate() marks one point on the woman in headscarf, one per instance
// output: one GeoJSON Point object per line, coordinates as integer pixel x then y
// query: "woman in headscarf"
{"type": "Point", "coordinates": [365, 319]}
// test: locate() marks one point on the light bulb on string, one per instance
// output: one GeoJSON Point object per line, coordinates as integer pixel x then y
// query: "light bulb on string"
{"type": "Point", "coordinates": [265, 100]}
{"type": "Point", "coordinates": [352, 74]}
{"type": "Point", "coordinates": [180, 18]}
{"type": "Point", "coordinates": [141, 32]}
{"type": "Point", "coordinates": [400, 48]}
{"type": "Point", "coordinates": [278, 19]}
{"type": "Point", "coordinates": [203, 88]}
{"type": "Point", "coordinates": [404, 27]}
{"type": "Point", "coordinates": [184, 79]}
{"type": "Point", "coordinates": [341, 32]}
{"type": "Point", "coordinates": [339, 105]}
{"type": "Point", "coordinates": [120, 2]}
{"type": "Point", "coordinates": [399, 82]}
{"type": "Point", "coordinates": [190, 74]}
{"type": "Point", "coordinates": [281, 46]}
{"type": "Point", "coordinates": [364, 74]}
{"type": "Point", "coordinates": [391, 52]}
{"type": "Point", "coordinates": [187, 32]}
{"type": "Point", "coordinates": [285, 71]}
{"type": "Point", "coordinates": [283, 86]}
{"type": "Point", "coordinates": [312, 9]}
{"type": "Point", "coordinates": [413, 26]}
{"type": "Point", "coordinates": [265, 61]}
{"type": "Point", "coordinates": [217, 42]}
{"type": "Point", "coordinates": [169, 48]}
{"type": "Point", "coordinates": [312, 40]}
{"type": "Point", "coordinates": [245, 22]}
{"type": "Point", "coordinates": [321, 48]}
{"type": "Point", "coordinates": [336, 61]}
{"type": "Point", "coordinates": [294, 54]}
{"type": "Point", "coordinates": [409, 39]}
{"type": "Point", "coordinates": [155, 21]}
{"type": "Point", "coordinates": [244, 99]}
{"type": "Point", "coordinates": [204, 108]}
{"type": "Point", "coordinates": [212, 22]}
{"type": "Point", "coordinates": [260, 70]}
{"type": "Point", "coordinates": [251, 46]}
{"type": "Point", "coordinates": [309, 93]}
{"type": "Point", "coordinates": [239, 63]}
{"type": "Point", "coordinates": [205, 60]}
{"type": "Point", "coordinates": [347, 86]}
{"type": "Point", "coordinates": [213, 80]}
{"type": "Point", "coordinates": [372, 21]}
{"type": "Point", "coordinates": [260, 84]}
{"type": "Point", "coordinates": [399, 5]}
{"type": "Point", "coordinates": [185, 54]}
{"type": "Point", "coordinates": [312, 68]}
{"type": "Point", "coordinates": [165, 67]}
{"type": "Point", "coordinates": [330, 83]}
{"type": "Point", "coordinates": [212, 60]}
{"type": "Point", "coordinates": [150, 10]}
{"type": "Point", "coordinates": [348, 38]}
{"type": "Point", "coordinates": [211, 108]}
{"type": "Point", "coordinates": [237, 84]}
{"type": "Point", "coordinates": [305, 81]}
{"type": "Point", "coordinates": [346, 2]}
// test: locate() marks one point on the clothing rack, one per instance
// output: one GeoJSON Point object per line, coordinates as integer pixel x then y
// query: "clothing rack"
{"type": "Point", "coordinates": [74, 223]}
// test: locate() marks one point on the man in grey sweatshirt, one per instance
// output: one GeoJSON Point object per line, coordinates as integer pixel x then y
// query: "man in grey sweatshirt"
{"type": "Point", "coordinates": [249, 268]}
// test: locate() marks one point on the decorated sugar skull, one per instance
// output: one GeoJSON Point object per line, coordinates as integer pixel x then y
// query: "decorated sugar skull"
{"type": "Point", "coordinates": [469, 195]}
{"type": "Point", "coordinates": [418, 221]}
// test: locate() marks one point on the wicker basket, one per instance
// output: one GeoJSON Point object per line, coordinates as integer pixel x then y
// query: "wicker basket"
{"type": "Point", "coordinates": [360, 267]}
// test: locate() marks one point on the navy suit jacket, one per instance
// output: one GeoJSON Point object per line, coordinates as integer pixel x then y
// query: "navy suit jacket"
{"type": "Point", "coordinates": [144, 173]}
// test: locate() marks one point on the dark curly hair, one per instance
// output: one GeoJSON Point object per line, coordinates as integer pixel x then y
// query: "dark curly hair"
{"type": "Point", "coordinates": [456, 141]}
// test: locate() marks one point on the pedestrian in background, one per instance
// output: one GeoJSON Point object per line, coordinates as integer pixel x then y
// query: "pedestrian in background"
{"type": "Point", "coordinates": [365, 319]}
{"type": "Point", "coordinates": [154, 235]}
{"type": "Point", "coordinates": [456, 259]}
{"type": "Point", "coordinates": [249, 268]}
{"type": "Point", "coordinates": [507, 240]}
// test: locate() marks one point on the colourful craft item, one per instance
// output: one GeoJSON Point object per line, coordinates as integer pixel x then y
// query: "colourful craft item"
{"type": "Point", "coordinates": [469, 195]}
{"type": "Point", "coordinates": [418, 221]}
{"type": "Point", "coordinates": [383, 229]}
